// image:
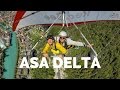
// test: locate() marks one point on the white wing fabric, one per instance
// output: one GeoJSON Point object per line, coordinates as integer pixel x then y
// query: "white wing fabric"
{"type": "Point", "coordinates": [26, 18]}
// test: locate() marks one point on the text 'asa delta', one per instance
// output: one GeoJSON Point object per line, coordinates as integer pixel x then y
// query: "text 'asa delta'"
{"type": "Point", "coordinates": [57, 62]}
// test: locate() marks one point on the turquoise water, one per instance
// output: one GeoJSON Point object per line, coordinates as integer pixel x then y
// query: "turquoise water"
{"type": "Point", "coordinates": [11, 58]}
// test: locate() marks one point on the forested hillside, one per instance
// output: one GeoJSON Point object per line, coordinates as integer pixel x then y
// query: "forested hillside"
{"type": "Point", "coordinates": [105, 35]}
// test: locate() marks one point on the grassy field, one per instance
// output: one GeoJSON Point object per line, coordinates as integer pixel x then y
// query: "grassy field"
{"type": "Point", "coordinates": [105, 36]}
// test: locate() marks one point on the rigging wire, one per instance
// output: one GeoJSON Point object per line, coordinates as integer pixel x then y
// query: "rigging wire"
{"type": "Point", "coordinates": [108, 43]}
{"type": "Point", "coordinates": [46, 31]}
{"type": "Point", "coordinates": [83, 36]}
{"type": "Point", "coordinates": [86, 25]}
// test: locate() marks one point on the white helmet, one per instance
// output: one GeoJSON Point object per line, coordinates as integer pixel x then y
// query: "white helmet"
{"type": "Point", "coordinates": [63, 34]}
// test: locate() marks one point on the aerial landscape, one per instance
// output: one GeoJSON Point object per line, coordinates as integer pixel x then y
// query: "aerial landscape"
{"type": "Point", "coordinates": [99, 38]}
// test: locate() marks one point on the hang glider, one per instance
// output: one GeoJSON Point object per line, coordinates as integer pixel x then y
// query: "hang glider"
{"type": "Point", "coordinates": [26, 18]}
{"type": "Point", "coordinates": [64, 18]}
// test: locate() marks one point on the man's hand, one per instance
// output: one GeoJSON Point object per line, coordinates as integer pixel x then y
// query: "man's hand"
{"type": "Point", "coordinates": [45, 55]}
{"type": "Point", "coordinates": [89, 45]}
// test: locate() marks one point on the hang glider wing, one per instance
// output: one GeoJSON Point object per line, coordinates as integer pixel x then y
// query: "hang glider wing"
{"type": "Point", "coordinates": [26, 18]}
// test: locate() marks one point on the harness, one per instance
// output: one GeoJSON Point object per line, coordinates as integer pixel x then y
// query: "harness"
{"type": "Point", "coordinates": [54, 49]}
{"type": "Point", "coordinates": [66, 46]}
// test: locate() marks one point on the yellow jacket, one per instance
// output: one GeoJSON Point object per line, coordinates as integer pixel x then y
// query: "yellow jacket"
{"type": "Point", "coordinates": [58, 50]}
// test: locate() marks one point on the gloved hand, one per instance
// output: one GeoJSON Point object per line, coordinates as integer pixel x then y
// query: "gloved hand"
{"type": "Point", "coordinates": [55, 51]}
{"type": "Point", "coordinates": [89, 45]}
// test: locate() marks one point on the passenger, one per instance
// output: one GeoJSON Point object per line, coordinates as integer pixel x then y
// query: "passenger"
{"type": "Point", "coordinates": [55, 47]}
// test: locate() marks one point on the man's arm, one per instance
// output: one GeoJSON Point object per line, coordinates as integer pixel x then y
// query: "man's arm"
{"type": "Point", "coordinates": [45, 50]}
{"type": "Point", "coordinates": [76, 43]}
{"type": "Point", "coordinates": [61, 48]}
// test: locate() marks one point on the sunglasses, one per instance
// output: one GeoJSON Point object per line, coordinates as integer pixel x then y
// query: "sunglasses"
{"type": "Point", "coordinates": [62, 38]}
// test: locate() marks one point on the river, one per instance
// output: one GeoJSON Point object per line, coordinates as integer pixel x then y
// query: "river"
{"type": "Point", "coordinates": [10, 60]}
